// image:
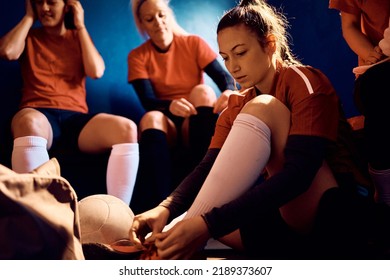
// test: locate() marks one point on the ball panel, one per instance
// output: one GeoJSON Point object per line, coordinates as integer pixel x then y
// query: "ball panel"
{"type": "Point", "coordinates": [104, 219]}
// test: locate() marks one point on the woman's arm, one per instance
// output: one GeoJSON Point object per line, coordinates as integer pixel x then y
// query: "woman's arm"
{"type": "Point", "coordinates": [12, 44]}
{"type": "Point", "coordinates": [93, 62]}
{"type": "Point", "coordinates": [221, 78]}
{"type": "Point", "coordinates": [183, 196]}
{"type": "Point", "coordinates": [145, 92]}
{"type": "Point", "coordinates": [357, 41]}
{"type": "Point", "coordinates": [224, 81]}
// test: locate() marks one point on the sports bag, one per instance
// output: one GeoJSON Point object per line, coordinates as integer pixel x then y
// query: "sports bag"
{"type": "Point", "coordinates": [39, 216]}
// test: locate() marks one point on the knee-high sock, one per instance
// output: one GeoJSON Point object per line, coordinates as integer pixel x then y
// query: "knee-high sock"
{"type": "Point", "coordinates": [239, 164]}
{"type": "Point", "coordinates": [28, 153]}
{"type": "Point", "coordinates": [381, 180]}
{"type": "Point", "coordinates": [122, 170]}
{"type": "Point", "coordinates": [154, 178]}
{"type": "Point", "coordinates": [201, 129]}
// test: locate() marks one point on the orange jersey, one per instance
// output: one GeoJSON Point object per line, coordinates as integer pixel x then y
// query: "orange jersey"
{"type": "Point", "coordinates": [53, 72]}
{"type": "Point", "coordinates": [305, 91]}
{"type": "Point", "coordinates": [174, 73]}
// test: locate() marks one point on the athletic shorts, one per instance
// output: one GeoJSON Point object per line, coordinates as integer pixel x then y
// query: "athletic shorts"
{"type": "Point", "coordinates": [66, 125]}
{"type": "Point", "coordinates": [343, 229]}
{"type": "Point", "coordinates": [269, 237]}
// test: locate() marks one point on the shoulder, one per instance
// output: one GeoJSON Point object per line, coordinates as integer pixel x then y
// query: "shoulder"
{"type": "Point", "coordinates": [303, 75]}
{"type": "Point", "coordinates": [141, 50]}
{"type": "Point", "coordinates": [144, 47]}
{"type": "Point", "coordinates": [347, 6]}
{"type": "Point", "coordinates": [239, 97]}
{"type": "Point", "coordinates": [190, 39]}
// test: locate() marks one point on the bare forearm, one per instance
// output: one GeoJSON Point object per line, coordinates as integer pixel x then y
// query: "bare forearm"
{"type": "Point", "coordinates": [93, 62]}
{"type": "Point", "coordinates": [358, 42]}
{"type": "Point", "coordinates": [12, 44]}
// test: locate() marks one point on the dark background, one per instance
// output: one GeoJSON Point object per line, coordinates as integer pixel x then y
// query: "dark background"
{"type": "Point", "coordinates": [315, 31]}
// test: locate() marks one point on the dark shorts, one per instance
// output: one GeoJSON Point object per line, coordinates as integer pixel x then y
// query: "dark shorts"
{"type": "Point", "coordinates": [344, 228]}
{"type": "Point", "coordinates": [272, 238]}
{"type": "Point", "coordinates": [66, 125]}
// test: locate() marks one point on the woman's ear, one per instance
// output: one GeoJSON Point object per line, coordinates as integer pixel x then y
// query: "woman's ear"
{"type": "Point", "coordinates": [271, 43]}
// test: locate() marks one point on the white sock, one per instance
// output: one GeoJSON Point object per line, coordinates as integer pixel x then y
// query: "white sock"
{"type": "Point", "coordinates": [122, 170]}
{"type": "Point", "coordinates": [381, 180]}
{"type": "Point", "coordinates": [240, 162]}
{"type": "Point", "coordinates": [29, 152]}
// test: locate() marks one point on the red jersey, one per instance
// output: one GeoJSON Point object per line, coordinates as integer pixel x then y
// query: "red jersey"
{"type": "Point", "coordinates": [305, 91]}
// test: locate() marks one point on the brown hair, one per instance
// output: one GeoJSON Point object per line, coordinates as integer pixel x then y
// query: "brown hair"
{"type": "Point", "coordinates": [263, 20]}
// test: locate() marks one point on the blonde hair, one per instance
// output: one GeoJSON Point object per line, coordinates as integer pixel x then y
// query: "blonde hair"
{"type": "Point", "coordinates": [135, 8]}
{"type": "Point", "coordinates": [262, 20]}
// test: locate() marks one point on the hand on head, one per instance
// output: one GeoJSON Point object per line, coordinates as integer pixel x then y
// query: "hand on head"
{"type": "Point", "coordinates": [30, 9]}
{"type": "Point", "coordinates": [78, 13]}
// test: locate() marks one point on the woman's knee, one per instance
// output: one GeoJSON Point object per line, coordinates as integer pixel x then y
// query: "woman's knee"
{"type": "Point", "coordinates": [154, 120]}
{"type": "Point", "coordinates": [111, 129]}
{"type": "Point", "coordinates": [276, 116]}
{"type": "Point", "coordinates": [203, 95]}
{"type": "Point", "coordinates": [268, 109]}
{"type": "Point", "coordinates": [28, 122]}
{"type": "Point", "coordinates": [127, 129]}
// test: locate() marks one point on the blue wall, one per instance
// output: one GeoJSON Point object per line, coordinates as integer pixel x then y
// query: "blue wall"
{"type": "Point", "coordinates": [315, 30]}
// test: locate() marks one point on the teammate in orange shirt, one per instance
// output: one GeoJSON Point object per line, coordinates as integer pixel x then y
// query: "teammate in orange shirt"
{"type": "Point", "coordinates": [363, 25]}
{"type": "Point", "coordinates": [55, 62]}
{"type": "Point", "coordinates": [166, 72]}
{"type": "Point", "coordinates": [288, 123]}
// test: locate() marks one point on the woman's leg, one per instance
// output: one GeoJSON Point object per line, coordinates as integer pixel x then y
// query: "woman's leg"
{"type": "Point", "coordinates": [104, 132]}
{"type": "Point", "coordinates": [154, 179]}
{"type": "Point", "coordinates": [245, 153]}
{"type": "Point", "coordinates": [373, 90]}
{"type": "Point", "coordinates": [199, 128]}
{"type": "Point", "coordinates": [33, 136]}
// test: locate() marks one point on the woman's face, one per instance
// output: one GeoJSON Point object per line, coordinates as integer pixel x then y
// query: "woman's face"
{"type": "Point", "coordinates": [155, 18]}
{"type": "Point", "coordinates": [50, 12]}
{"type": "Point", "coordinates": [247, 61]}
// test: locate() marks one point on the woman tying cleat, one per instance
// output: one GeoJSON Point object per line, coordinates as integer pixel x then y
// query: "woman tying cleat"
{"type": "Point", "coordinates": [270, 176]}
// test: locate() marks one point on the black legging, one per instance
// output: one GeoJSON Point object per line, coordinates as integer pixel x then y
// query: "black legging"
{"type": "Point", "coordinates": [372, 97]}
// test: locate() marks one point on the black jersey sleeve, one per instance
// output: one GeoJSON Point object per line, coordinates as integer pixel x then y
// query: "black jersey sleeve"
{"type": "Point", "coordinates": [182, 197]}
{"type": "Point", "coordinates": [145, 92]}
{"type": "Point", "coordinates": [219, 75]}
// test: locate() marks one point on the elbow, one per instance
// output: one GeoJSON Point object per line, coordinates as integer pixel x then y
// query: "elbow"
{"type": "Point", "coordinates": [9, 54]}
{"type": "Point", "coordinates": [96, 74]}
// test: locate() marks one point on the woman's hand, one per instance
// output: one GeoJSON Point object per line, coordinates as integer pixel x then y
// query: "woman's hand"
{"type": "Point", "coordinates": [222, 101]}
{"type": "Point", "coordinates": [183, 240]}
{"type": "Point", "coordinates": [374, 56]}
{"type": "Point", "coordinates": [78, 13]}
{"type": "Point", "coordinates": [152, 220]}
{"type": "Point", "coordinates": [182, 108]}
{"type": "Point", "coordinates": [30, 10]}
